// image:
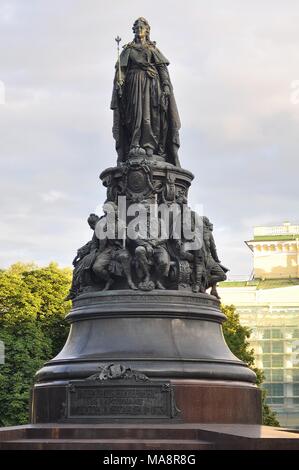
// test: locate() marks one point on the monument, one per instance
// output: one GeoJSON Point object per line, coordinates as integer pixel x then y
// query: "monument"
{"type": "Point", "coordinates": [145, 364]}
{"type": "Point", "coordinates": [145, 339]}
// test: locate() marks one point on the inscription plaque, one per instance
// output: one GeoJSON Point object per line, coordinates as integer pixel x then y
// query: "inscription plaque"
{"type": "Point", "coordinates": [126, 399]}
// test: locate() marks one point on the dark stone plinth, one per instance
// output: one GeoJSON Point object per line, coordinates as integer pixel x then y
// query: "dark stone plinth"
{"type": "Point", "coordinates": [174, 336]}
{"type": "Point", "coordinates": [216, 401]}
{"type": "Point", "coordinates": [194, 401]}
{"type": "Point", "coordinates": [167, 334]}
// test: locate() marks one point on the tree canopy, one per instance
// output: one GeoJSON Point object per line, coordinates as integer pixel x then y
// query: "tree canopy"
{"type": "Point", "coordinates": [32, 328]}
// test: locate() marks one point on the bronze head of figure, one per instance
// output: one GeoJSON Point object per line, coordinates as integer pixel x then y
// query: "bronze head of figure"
{"type": "Point", "coordinates": [93, 220]}
{"type": "Point", "coordinates": [141, 30]}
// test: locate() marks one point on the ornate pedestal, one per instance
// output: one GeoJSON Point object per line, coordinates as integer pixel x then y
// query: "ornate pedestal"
{"type": "Point", "coordinates": [141, 179]}
{"type": "Point", "coordinates": [171, 337]}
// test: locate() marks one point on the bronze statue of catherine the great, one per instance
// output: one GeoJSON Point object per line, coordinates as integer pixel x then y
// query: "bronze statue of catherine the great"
{"type": "Point", "coordinates": [146, 120]}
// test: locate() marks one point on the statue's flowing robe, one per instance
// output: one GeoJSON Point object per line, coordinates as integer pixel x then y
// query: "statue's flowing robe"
{"type": "Point", "coordinates": [143, 116]}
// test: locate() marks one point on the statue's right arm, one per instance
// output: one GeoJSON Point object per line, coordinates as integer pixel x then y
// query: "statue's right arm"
{"type": "Point", "coordinates": [120, 78]}
{"type": "Point", "coordinates": [120, 71]}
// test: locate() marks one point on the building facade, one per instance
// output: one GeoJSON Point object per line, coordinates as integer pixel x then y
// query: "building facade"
{"type": "Point", "coordinates": [276, 251]}
{"type": "Point", "coordinates": [269, 305]}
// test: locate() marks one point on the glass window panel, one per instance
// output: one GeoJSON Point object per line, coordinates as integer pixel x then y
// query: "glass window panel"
{"type": "Point", "coordinates": [277, 390]}
{"type": "Point", "coordinates": [277, 375]}
{"type": "Point", "coordinates": [267, 373]}
{"type": "Point", "coordinates": [295, 373]}
{"type": "Point", "coordinates": [277, 361]}
{"type": "Point", "coordinates": [277, 333]}
{"type": "Point", "coordinates": [277, 401]}
{"type": "Point", "coordinates": [296, 389]}
{"type": "Point", "coordinates": [277, 346]}
{"type": "Point", "coordinates": [266, 361]}
{"type": "Point", "coordinates": [266, 346]}
{"type": "Point", "coordinates": [267, 333]}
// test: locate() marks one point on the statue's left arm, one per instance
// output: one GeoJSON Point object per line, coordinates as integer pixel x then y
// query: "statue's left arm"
{"type": "Point", "coordinates": [174, 124]}
{"type": "Point", "coordinates": [161, 64]}
{"type": "Point", "coordinates": [164, 76]}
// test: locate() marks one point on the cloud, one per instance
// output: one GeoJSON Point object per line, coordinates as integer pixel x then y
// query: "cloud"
{"type": "Point", "coordinates": [7, 12]}
{"type": "Point", "coordinates": [53, 196]}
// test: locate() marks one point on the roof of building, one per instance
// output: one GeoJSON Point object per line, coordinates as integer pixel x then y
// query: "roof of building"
{"type": "Point", "coordinates": [289, 236]}
{"type": "Point", "coordinates": [286, 231]}
{"type": "Point", "coordinates": [262, 283]}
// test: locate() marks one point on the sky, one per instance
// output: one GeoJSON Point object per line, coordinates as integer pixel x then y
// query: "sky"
{"type": "Point", "coordinates": [235, 72]}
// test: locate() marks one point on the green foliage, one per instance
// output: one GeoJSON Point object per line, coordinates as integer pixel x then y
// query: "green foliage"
{"type": "Point", "coordinates": [269, 416]}
{"type": "Point", "coordinates": [33, 329]}
{"type": "Point", "coordinates": [236, 336]}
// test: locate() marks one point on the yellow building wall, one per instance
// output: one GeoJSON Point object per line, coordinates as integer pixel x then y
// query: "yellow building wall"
{"type": "Point", "coordinates": [275, 259]}
{"type": "Point", "coordinates": [276, 265]}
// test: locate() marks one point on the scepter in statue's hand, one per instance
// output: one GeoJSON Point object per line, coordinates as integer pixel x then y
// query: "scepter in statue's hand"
{"type": "Point", "coordinates": [119, 76]}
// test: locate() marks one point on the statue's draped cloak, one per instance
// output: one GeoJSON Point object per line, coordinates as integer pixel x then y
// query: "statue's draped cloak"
{"type": "Point", "coordinates": [143, 116]}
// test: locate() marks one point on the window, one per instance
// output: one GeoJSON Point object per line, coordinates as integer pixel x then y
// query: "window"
{"type": "Point", "coordinates": [266, 347]}
{"type": "Point", "coordinates": [277, 375]}
{"type": "Point", "coordinates": [266, 361]}
{"type": "Point", "coordinates": [274, 390]}
{"type": "Point", "coordinates": [296, 390]}
{"type": "Point", "coordinates": [295, 334]}
{"type": "Point", "coordinates": [277, 401]}
{"type": "Point", "coordinates": [277, 361]}
{"type": "Point", "coordinates": [295, 373]}
{"type": "Point", "coordinates": [277, 346]}
{"type": "Point", "coordinates": [277, 390]}
{"type": "Point", "coordinates": [277, 333]}
{"type": "Point", "coordinates": [267, 334]}
{"type": "Point", "coordinates": [267, 373]}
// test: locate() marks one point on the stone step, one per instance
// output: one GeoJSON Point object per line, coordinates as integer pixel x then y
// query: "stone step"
{"type": "Point", "coordinates": [105, 444]}
{"type": "Point", "coordinates": [103, 432]}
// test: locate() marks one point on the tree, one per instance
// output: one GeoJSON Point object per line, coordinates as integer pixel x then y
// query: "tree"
{"type": "Point", "coordinates": [33, 329]}
{"type": "Point", "coordinates": [236, 336]}
{"type": "Point", "coordinates": [51, 285]}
